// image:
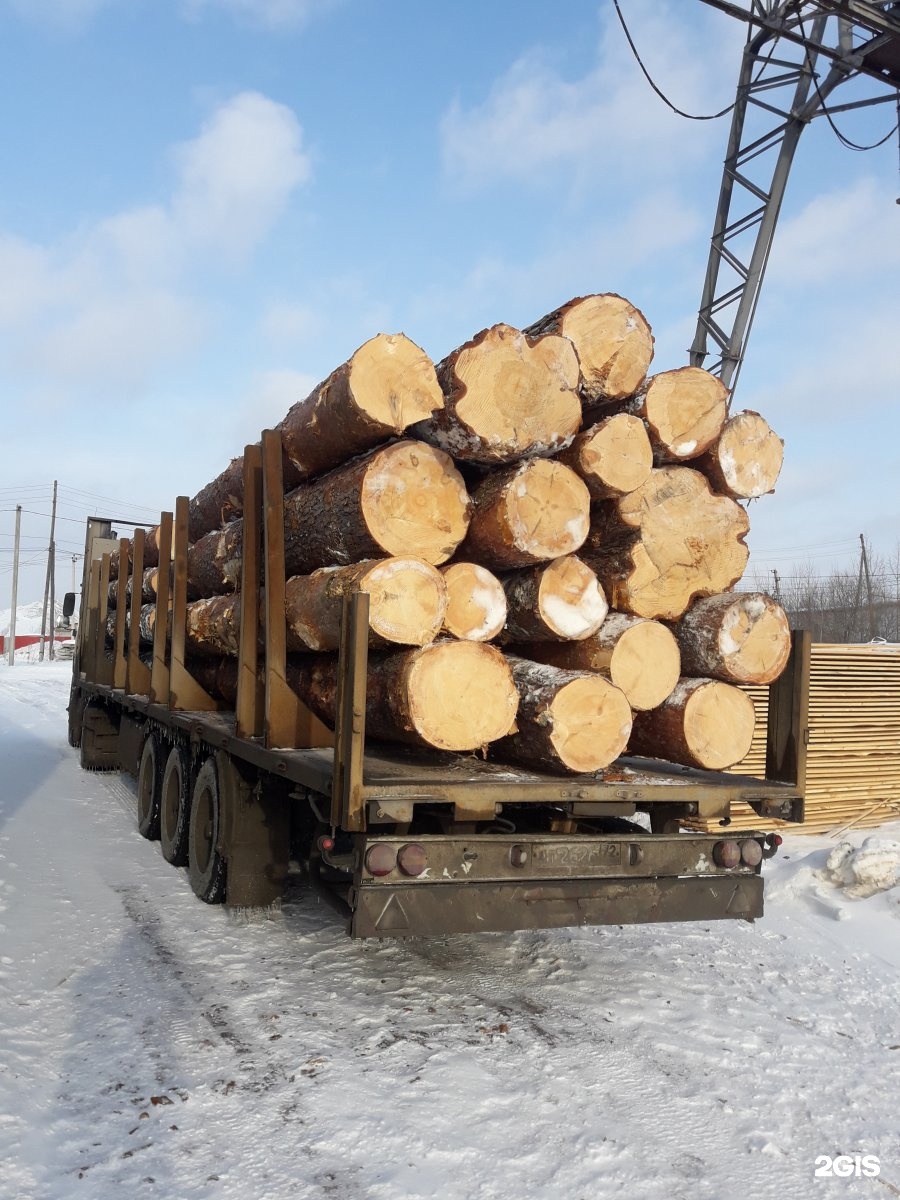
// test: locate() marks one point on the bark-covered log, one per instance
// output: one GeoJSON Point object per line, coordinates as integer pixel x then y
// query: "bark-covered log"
{"type": "Point", "coordinates": [567, 720]}
{"type": "Point", "coordinates": [638, 655]}
{"type": "Point", "coordinates": [404, 499]}
{"type": "Point", "coordinates": [214, 561]}
{"type": "Point", "coordinates": [613, 457]}
{"type": "Point", "coordinates": [382, 389]}
{"type": "Point", "coordinates": [407, 603]}
{"type": "Point", "coordinates": [151, 553]}
{"type": "Point", "coordinates": [739, 637]}
{"type": "Point", "coordinates": [561, 601]}
{"type": "Point", "coordinates": [613, 341]}
{"type": "Point", "coordinates": [506, 396]}
{"type": "Point", "coordinates": [450, 695]}
{"type": "Point", "coordinates": [684, 411]}
{"type": "Point", "coordinates": [704, 723]}
{"type": "Point", "coordinates": [148, 588]}
{"type": "Point", "coordinates": [476, 602]}
{"type": "Point", "coordinates": [667, 543]}
{"type": "Point", "coordinates": [746, 460]}
{"type": "Point", "coordinates": [214, 626]}
{"type": "Point", "coordinates": [529, 513]}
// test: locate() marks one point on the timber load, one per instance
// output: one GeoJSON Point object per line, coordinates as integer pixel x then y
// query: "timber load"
{"type": "Point", "coordinates": [549, 536]}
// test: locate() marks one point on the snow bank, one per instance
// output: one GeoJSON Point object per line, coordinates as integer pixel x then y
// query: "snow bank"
{"type": "Point", "coordinates": [864, 870]}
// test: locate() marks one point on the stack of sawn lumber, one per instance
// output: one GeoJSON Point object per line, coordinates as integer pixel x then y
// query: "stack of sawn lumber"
{"type": "Point", "coordinates": [547, 535]}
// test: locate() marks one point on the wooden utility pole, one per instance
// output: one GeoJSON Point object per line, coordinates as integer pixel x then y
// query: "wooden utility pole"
{"type": "Point", "coordinates": [15, 588]}
{"type": "Point", "coordinates": [49, 582]}
{"type": "Point", "coordinates": [864, 567]}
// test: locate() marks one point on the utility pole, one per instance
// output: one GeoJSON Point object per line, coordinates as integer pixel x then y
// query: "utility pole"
{"type": "Point", "coordinates": [864, 565]}
{"type": "Point", "coordinates": [48, 582]}
{"type": "Point", "coordinates": [15, 589]}
{"type": "Point", "coordinates": [776, 594]}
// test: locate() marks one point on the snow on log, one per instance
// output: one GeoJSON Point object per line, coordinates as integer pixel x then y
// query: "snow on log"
{"type": "Point", "coordinates": [739, 637]}
{"type": "Point", "coordinates": [506, 396]}
{"type": "Point", "coordinates": [746, 460]}
{"type": "Point", "coordinates": [403, 499]}
{"type": "Point", "coordinates": [638, 655]}
{"type": "Point", "coordinates": [407, 603]}
{"type": "Point", "coordinates": [560, 601]}
{"type": "Point", "coordinates": [666, 543]}
{"type": "Point", "coordinates": [450, 695]}
{"type": "Point", "coordinates": [533, 512]}
{"type": "Point", "coordinates": [567, 720]}
{"type": "Point", "coordinates": [613, 457]}
{"type": "Point", "coordinates": [684, 411]}
{"type": "Point", "coordinates": [613, 342]}
{"type": "Point", "coordinates": [476, 602]}
{"type": "Point", "coordinates": [704, 723]}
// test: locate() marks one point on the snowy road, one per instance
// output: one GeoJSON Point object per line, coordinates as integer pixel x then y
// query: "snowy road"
{"type": "Point", "coordinates": [153, 1046]}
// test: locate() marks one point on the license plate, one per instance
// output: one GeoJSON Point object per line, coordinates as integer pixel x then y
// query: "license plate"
{"type": "Point", "coordinates": [577, 856]}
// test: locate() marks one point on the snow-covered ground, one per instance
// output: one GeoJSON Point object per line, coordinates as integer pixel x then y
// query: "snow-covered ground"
{"type": "Point", "coordinates": [152, 1046]}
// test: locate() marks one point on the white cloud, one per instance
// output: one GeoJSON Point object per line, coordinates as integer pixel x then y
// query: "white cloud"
{"type": "Point", "coordinates": [269, 14]}
{"type": "Point", "coordinates": [68, 14]}
{"type": "Point", "coordinates": [111, 302]}
{"type": "Point", "coordinates": [605, 123]}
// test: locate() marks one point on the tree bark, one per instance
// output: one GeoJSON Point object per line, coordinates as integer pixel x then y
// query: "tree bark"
{"type": "Point", "coordinates": [567, 720]}
{"type": "Point", "coordinates": [666, 543]}
{"type": "Point", "coordinates": [476, 602]}
{"type": "Point", "coordinates": [703, 723]}
{"type": "Point", "coordinates": [151, 553]}
{"type": "Point", "coordinates": [613, 457]}
{"type": "Point", "coordinates": [739, 637]}
{"type": "Point", "coordinates": [382, 389]}
{"type": "Point", "coordinates": [529, 513]}
{"type": "Point", "coordinates": [684, 411]}
{"type": "Point", "coordinates": [507, 396]}
{"type": "Point", "coordinates": [404, 499]}
{"type": "Point", "coordinates": [214, 561]}
{"type": "Point", "coordinates": [407, 603]}
{"type": "Point", "coordinates": [561, 601]}
{"type": "Point", "coordinates": [638, 655]}
{"type": "Point", "coordinates": [449, 695]}
{"type": "Point", "coordinates": [613, 342]}
{"type": "Point", "coordinates": [746, 460]}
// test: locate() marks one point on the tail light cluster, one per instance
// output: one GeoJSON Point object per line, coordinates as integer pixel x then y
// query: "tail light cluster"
{"type": "Point", "coordinates": [732, 853]}
{"type": "Point", "coordinates": [411, 859]}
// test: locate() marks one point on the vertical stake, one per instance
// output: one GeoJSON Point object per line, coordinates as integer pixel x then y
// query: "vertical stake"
{"type": "Point", "coordinates": [159, 672]}
{"type": "Point", "coordinates": [249, 707]}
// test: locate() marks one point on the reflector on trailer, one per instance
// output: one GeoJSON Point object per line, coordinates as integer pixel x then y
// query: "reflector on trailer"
{"type": "Point", "coordinates": [381, 859]}
{"type": "Point", "coordinates": [412, 859]}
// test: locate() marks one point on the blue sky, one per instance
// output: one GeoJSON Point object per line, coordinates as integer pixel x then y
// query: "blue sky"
{"type": "Point", "coordinates": [208, 204]}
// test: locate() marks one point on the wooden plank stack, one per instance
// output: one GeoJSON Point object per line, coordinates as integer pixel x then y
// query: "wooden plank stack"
{"type": "Point", "coordinates": [537, 489]}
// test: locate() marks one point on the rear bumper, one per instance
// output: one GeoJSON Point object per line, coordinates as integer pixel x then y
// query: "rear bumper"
{"type": "Point", "coordinates": [425, 910]}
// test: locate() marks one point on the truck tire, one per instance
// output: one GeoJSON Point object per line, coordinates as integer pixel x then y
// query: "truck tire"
{"type": "Point", "coordinates": [76, 717]}
{"type": "Point", "coordinates": [149, 786]}
{"type": "Point", "coordinates": [175, 807]}
{"type": "Point", "coordinates": [206, 863]}
{"type": "Point", "coordinates": [99, 740]}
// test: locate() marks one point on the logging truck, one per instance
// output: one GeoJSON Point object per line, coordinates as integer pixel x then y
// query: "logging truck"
{"type": "Point", "coordinates": [244, 783]}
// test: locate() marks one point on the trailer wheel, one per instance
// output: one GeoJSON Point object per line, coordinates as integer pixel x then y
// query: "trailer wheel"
{"type": "Point", "coordinates": [148, 787]}
{"type": "Point", "coordinates": [99, 740]}
{"type": "Point", "coordinates": [76, 717]}
{"type": "Point", "coordinates": [206, 863]}
{"type": "Point", "coordinates": [175, 807]}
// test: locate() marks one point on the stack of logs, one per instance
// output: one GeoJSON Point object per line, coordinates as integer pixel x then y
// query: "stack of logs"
{"type": "Point", "coordinates": [547, 536]}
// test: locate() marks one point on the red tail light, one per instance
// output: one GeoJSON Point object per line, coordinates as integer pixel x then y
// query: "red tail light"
{"type": "Point", "coordinates": [381, 859]}
{"type": "Point", "coordinates": [412, 859]}
{"type": "Point", "coordinates": [751, 853]}
{"type": "Point", "coordinates": [726, 854]}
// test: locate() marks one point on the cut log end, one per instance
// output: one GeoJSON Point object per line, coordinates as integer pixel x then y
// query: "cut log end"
{"type": "Point", "coordinates": [613, 457]}
{"type": "Point", "coordinates": [685, 410]}
{"type": "Point", "coordinates": [461, 695]}
{"type": "Point", "coordinates": [743, 638]}
{"type": "Point", "coordinates": [645, 663]}
{"type": "Point", "coordinates": [562, 601]}
{"type": "Point", "coordinates": [393, 381]}
{"type": "Point", "coordinates": [547, 511]}
{"type": "Point", "coordinates": [746, 461]}
{"type": "Point", "coordinates": [476, 602]}
{"type": "Point", "coordinates": [704, 723]}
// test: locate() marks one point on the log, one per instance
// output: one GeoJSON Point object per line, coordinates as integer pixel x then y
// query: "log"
{"type": "Point", "coordinates": [638, 655]}
{"type": "Point", "coordinates": [449, 696]}
{"type": "Point", "coordinates": [386, 386]}
{"type": "Point", "coordinates": [613, 457]}
{"type": "Point", "coordinates": [613, 342]}
{"type": "Point", "coordinates": [739, 637]}
{"type": "Point", "coordinates": [684, 411]}
{"type": "Point", "coordinates": [404, 499]}
{"type": "Point", "coordinates": [506, 396]}
{"type": "Point", "coordinates": [561, 601]}
{"type": "Point", "coordinates": [567, 720]}
{"type": "Point", "coordinates": [667, 543]}
{"type": "Point", "coordinates": [148, 588]}
{"type": "Point", "coordinates": [533, 512]}
{"type": "Point", "coordinates": [407, 603]}
{"type": "Point", "coordinates": [213, 626]}
{"type": "Point", "coordinates": [151, 553]}
{"type": "Point", "coordinates": [704, 723]}
{"type": "Point", "coordinates": [476, 602]}
{"type": "Point", "coordinates": [746, 460]}
{"type": "Point", "coordinates": [214, 561]}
